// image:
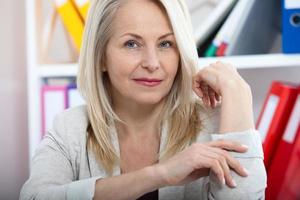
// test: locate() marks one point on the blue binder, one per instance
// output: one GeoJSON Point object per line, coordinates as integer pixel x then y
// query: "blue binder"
{"type": "Point", "coordinates": [291, 26]}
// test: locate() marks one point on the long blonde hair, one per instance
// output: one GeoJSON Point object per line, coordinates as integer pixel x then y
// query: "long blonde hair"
{"type": "Point", "coordinates": [180, 111]}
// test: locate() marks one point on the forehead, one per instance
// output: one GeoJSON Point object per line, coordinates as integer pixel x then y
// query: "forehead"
{"type": "Point", "coordinates": [141, 15]}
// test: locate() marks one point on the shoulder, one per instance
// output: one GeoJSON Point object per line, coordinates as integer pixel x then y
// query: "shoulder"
{"type": "Point", "coordinates": [70, 125]}
{"type": "Point", "coordinates": [77, 116]}
{"type": "Point", "coordinates": [73, 118]}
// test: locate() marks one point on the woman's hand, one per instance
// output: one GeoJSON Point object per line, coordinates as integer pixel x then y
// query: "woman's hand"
{"type": "Point", "coordinates": [222, 81]}
{"type": "Point", "coordinates": [198, 159]}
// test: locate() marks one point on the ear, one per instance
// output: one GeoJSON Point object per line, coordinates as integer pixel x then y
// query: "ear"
{"type": "Point", "coordinates": [103, 65]}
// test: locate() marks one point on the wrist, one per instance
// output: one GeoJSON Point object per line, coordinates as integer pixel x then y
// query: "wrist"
{"type": "Point", "coordinates": [155, 175]}
{"type": "Point", "coordinates": [236, 90]}
{"type": "Point", "coordinates": [236, 110]}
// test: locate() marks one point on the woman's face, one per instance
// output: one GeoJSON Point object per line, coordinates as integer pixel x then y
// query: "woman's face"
{"type": "Point", "coordinates": [141, 57]}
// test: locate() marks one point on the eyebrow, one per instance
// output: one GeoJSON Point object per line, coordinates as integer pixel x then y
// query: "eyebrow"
{"type": "Point", "coordinates": [140, 37]}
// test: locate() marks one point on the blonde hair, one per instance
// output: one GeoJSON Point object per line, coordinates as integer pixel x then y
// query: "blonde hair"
{"type": "Point", "coordinates": [179, 111]}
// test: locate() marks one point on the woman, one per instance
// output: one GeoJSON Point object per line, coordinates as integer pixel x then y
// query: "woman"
{"type": "Point", "coordinates": [142, 133]}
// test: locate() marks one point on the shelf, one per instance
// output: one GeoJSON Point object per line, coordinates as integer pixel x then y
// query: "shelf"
{"type": "Point", "coordinates": [57, 70]}
{"type": "Point", "coordinates": [241, 62]}
{"type": "Point", "coordinates": [256, 61]}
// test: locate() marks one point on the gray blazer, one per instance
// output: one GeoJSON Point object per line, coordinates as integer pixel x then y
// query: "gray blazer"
{"type": "Point", "coordinates": [62, 168]}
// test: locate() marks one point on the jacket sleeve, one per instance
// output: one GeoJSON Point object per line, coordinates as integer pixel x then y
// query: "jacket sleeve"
{"type": "Point", "coordinates": [52, 175]}
{"type": "Point", "coordinates": [250, 187]}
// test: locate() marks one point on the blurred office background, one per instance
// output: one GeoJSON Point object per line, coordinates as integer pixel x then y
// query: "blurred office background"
{"type": "Point", "coordinates": [14, 167]}
{"type": "Point", "coordinates": [21, 78]}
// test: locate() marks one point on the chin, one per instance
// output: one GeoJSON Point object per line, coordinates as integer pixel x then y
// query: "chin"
{"type": "Point", "coordinates": [149, 99]}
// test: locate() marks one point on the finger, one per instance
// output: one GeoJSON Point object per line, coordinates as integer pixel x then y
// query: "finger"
{"type": "Point", "coordinates": [218, 98]}
{"type": "Point", "coordinates": [204, 161]}
{"type": "Point", "coordinates": [199, 76]}
{"type": "Point", "coordinates": [229, 145]}
{"type": "Point", "coordinates": [216, 168]}
{"type": "Point", "coordinates": [206, 100]}
{"type": "Point", "coordinates": [232, 162]}
{"type": "Point", "coordinates": [199, 93]}
{"type": "Point", "coordinates": [228, 178]}
{"type": "Point", "coordinates": [217, 155]}
{"type": "Point", "coordinates": [197, 89]}
{"type": "Point", "coordinates": [204, 87]}
{"type": "Point", "coordinates": [212, 98]}
{"type": "Point", "coordinates": [209, 76]}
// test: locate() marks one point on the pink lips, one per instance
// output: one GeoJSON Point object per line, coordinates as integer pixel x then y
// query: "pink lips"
{"type": "Point", "coordinates": [148, 82]}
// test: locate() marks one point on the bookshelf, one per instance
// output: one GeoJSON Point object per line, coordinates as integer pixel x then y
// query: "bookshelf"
{"type": "Point", "coordinates": [257, 69]}
{"type": "Point", "coordinates": [241, 62]}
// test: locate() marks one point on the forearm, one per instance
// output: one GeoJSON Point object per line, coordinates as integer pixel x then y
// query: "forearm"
{"type": "Point", "coordinates": [236, 109]}
{"type": "Point", "coordinates": [128, 186]}
{"type": "Point", "coordinates": [252, 186]}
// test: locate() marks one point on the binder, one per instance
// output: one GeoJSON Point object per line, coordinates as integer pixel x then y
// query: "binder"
{"type": "Point", "coordinates": [54, 100]}
{"type": "Point", "coordinates": [74, 98]}
{"type": "Point", "coordinates": [274, 116]}
{"type": "Point", "coordinates": [290, 187]}
{"type": "Point", "coordinates": [62, 81]}
{"type": "Point", "coordinates": [71, 20]}
{"type": "Point", "coordinates": [256, 28]}
{"type": "Point", "coordinates": [291, 26]}
{"type": "Point", "coordinates": [207, 15]}
{"type": "Point", "coordinates": [227, 30]}
{"type": "Point", "coordinates": [282, 156]}
{"type": "Point", "coordinates": [82, 7]}
{"type": "Point", "coordinates": [217, 41]}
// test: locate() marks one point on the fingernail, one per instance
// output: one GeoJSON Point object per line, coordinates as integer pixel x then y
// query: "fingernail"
{"type": "Point", "coordinates": [246, 171]}
{"type": "Point", "coordinates": [200, 94]}
{"type": "Point", "coordinates": [223, 181]}
{"type": "Point", "coordinates": [245, 146]}
{"type": "Point", "coordinates": [233, 183]}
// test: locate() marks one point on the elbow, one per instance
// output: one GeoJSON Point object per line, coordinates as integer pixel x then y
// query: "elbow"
{"type": "Point", "coordinates": [251, 187]}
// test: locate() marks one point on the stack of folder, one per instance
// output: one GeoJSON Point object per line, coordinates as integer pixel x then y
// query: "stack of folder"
{"type": "Point", "coordinates": [279, 125]}
{"type": "Point", "coordinates": [221, 27]}
{"type": "Point", "coordinates": [249, 27]}
{"type": "Point", "coordinates": [73, 14]}
{"type": "Point", "coordinates": [56, 96]}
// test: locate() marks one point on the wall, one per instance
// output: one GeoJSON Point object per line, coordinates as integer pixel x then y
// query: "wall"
{"type": "Point", "coordinates": [261, 79]}
{"type": "Point", "coordinates": [13, 99]}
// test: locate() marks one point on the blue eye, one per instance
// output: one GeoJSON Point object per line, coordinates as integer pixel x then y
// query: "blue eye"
{"type": "Point", "coordinates": [166, 44]}
{"type": "Point", "coordinates": [131, 44]}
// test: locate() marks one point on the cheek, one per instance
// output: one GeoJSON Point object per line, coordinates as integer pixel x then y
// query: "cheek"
{"type": "Point", "coordinates": [120, 70]}
{"type": "Point", "coordinates": [117, 75]}
{"type": "Point", "coordinates": [172, 67]}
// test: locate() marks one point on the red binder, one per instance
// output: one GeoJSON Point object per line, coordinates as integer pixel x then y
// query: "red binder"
{"type": "Point", "coordinates": [291, 183]}
{"type": "Point", "coordinates": [274, 116]}
{"type": "Point", "coordinates": [278, 167]}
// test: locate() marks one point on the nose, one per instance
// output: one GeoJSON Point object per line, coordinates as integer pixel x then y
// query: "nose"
{"type": "Point", "coordinates": [151, 60]}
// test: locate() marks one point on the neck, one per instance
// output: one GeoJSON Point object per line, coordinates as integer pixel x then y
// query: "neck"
{"type": "Point", "coordinates": [139, 120]}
